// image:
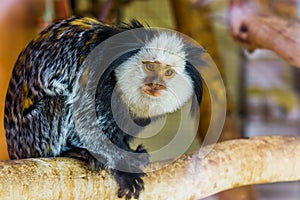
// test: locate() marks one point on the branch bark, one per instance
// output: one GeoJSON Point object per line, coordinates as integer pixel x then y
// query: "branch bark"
{"type": "Point", "coordinates": [193, 176]}
{"type": "Point", "coordinates": [254, 29]}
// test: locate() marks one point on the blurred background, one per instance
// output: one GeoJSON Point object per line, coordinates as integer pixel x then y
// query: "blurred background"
{"type": "Point", "coordinates": [263, 90]}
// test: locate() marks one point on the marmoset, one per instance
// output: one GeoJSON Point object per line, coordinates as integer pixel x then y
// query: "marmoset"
{"type": "Point", "coordinates": [39, 118]}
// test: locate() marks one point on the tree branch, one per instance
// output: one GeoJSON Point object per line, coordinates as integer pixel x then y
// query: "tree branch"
{"type": "Point", "coordinates": [105, 10]}
{"type": "Point", "coordinates": [254, 29]}
{"type": "Point", "coordinates": [229, 164]}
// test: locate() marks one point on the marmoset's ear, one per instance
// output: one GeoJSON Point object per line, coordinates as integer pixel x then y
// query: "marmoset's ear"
{"type": "Point", "coordinates": [197, 86]}
{"type": "Point", "coordinates": [114, 65]}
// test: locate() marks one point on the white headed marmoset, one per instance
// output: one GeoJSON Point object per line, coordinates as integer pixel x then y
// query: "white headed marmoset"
{"type": "Point", "coordinates": [39, 118]}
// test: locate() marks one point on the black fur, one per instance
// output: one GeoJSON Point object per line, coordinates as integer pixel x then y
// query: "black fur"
{"type": "Point", "coordinates": [197, 84]}
{"type": "Point", "coordinates": [38, 119]}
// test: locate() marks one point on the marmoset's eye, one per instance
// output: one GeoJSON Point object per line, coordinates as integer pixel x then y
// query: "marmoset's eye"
{"type": "Point", "coordinates": [169, 73]}
{"type": "Point", "coordinates": [150, 66]}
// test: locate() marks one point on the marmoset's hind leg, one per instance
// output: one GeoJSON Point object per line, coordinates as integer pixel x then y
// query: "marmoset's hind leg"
{"type": "Point", "coordinates": [131, 184]}
{"type": "Point", "coordinates": [85, 156]}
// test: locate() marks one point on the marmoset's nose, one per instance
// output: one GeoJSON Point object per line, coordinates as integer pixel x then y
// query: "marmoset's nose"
{"type": "Point", "coordinates": [156, 86]}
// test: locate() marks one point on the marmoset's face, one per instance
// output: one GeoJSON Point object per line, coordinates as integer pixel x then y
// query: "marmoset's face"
{"type": "Point", "coordinates": [154, 81]}
{"type": "Point", "coordinates": [152, 88]}
{"type": "Point", "coordinates": [158, 74]}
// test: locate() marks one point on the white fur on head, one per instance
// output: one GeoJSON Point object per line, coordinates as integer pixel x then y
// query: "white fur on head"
{"type": "Point", "coordinates": [167, 48]}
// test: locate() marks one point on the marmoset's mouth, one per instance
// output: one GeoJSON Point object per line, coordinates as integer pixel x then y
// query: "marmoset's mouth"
{"type": "Point", "coordinates": [153, 89]}
{"type": "Point", "coordinates": [153, 92]}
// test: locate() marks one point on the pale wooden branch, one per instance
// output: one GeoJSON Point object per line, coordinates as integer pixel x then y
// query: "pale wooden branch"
{"type": "Point", "coordinates": [227, 165]}
{"type": "Point", "coordinates": [254, 29]}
